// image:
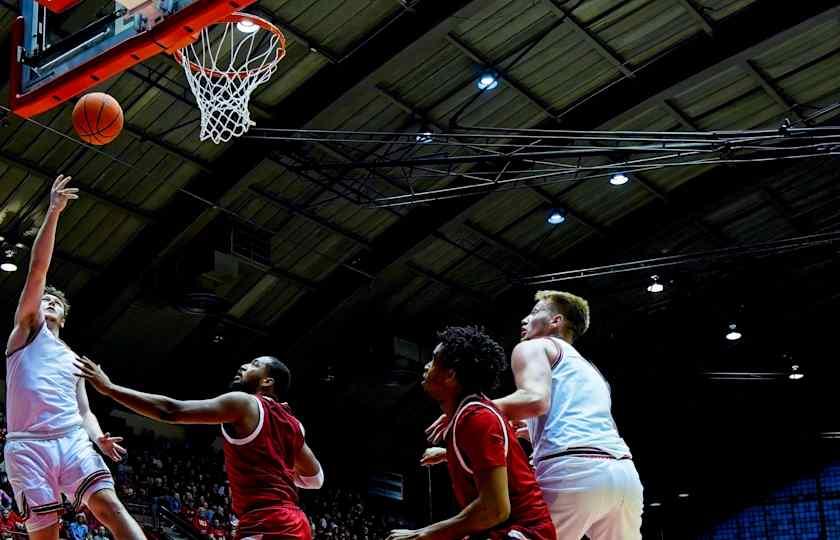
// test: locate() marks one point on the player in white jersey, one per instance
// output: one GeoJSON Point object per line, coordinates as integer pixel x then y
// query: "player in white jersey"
{"type": "Point", "coordinates": [583, 466]}
{"type": "Point", "coordinates": [50, 425]}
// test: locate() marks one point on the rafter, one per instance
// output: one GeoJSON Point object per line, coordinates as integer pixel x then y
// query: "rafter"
{"type": "Point", "coordinates": [590, 37]}
{"type": "Point", "coordinates": [47, 177]}
{"type": "Point", "coordinates": [696, 13]}
{"type": "Point", "coordinates": [478, 58]}
{"type": "Point", "coordinates": [767, 85]}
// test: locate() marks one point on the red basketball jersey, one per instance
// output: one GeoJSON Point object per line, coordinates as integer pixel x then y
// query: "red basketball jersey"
{"type": "Point", "coordinates": [479, 438]}
{"type": "Point", "coordinates": [260, 468]}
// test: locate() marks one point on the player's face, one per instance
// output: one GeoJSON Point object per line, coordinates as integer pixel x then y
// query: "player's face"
{"type": "Point", "coordinates": [437, 379]}
{"type": "Point", "coordinates": [248, 377]}
{"type": "Point", "coordinates": [53, 309]}
{"type": "Point", "coordinates": [540, 322]}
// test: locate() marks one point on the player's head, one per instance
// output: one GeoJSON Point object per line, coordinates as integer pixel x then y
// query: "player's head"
{"type": "Point", "coordinates": [54, 306]}
{"type": "Point", "coordinates": [266, 375]}
{"type": "Point", "coordinates": [556, 313]}
{"type": "Point", "coordinates": [466, 361]}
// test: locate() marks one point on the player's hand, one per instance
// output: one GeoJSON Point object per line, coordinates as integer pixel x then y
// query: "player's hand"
{"type": "Point", "coordinates": [434, 433]}
{"type": "Point", "coordinates": [433, 456]}
{"type": "Point", "coordinates": [60, 193]}
{"type": "Point", "coordinates": [520, 428]}
{"type": "Point", "coordinates": [93, 374]}
{"type": "Point", "coordinates": [406, 534]}
{"type": "Point", "coordinates": [110, 447]}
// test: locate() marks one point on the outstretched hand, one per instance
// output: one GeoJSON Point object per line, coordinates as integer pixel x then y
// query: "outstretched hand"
{"type": "Point", "coordinates": [433, 456]}
{"type": "Point", "coordinates": [110, 448]}
{"type": "Point", "coordinates": [92, 373]}
{"type": "Point", "coordinates": [60, 193]}
{"type": "Point", "coordinates": [434, 433]}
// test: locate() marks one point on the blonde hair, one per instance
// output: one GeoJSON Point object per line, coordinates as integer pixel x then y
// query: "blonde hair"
{"type": "Point", "coordinates": [572, 307]}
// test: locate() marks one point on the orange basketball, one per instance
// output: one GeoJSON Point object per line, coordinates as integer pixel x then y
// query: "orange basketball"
{"type": "Point", "coordinates": [97, 118]}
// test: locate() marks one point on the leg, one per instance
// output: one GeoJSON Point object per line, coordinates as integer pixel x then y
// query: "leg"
{"type": "Point", "coordinates": [50, 532]}
{"type": "Point", "coordinates": [624, 521]}
{"type": "Point", "coordinates": [110, 511]}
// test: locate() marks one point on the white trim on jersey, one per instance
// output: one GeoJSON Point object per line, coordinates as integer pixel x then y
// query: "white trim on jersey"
{"type": "Point", "coordinates": [252, 436]}
{"type": "Point", "coordinates": [454, 431]}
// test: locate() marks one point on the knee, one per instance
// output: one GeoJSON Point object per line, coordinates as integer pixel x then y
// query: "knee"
{"type": "Point", "coordinates": [106, 507]}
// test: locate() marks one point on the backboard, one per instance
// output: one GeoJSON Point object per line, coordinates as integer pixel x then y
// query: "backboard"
{"type": "Point", "coordinates": [51, 64]}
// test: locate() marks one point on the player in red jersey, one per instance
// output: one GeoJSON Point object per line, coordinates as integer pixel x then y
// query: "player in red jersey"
{"type": "Point", "coordinates": [492, 480]}
{"type": "Point", "coordinates": [265, 452]}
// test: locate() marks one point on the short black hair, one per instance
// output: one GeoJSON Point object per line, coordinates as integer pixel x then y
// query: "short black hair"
{"type": "Point", "coordinates": [278, 371]}
{"type": "Point", "coordinates": [477, 359]}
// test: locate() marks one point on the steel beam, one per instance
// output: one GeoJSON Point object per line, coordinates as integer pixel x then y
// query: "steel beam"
{"type": "Point", "coordinates": [590, 37]}
{"type": "Point", "coordinates": [311, 216]}
{"type": "Point", "coordinates": [696, 13]}
{"type": "Point", "coordinates": [767, 85]}
{"type": "Point", "coordinates": [478, 58]}
{"type": "Point", "coordinates": [47, 177]}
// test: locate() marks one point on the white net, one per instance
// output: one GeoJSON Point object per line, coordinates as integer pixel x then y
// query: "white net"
{"type": "Point", "coordinates": [223, 66]}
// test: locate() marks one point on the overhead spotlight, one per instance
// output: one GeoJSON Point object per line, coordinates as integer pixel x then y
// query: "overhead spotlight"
{"type": "Point", "coordinates": [556, 217]}
{"type": "Point", "coordinates": [683, 495]}
{"type": "Point", "coordinates": [655, 504]}
{"type": "Point", "coordinates": [424, 138]}
{"type": "Point", "coordinates": [218, 339]}
{"type": "Point", "coordinates": [655, 286]}
{"type": "Point", "coordinates": [9, 265]}
{"type": "Point", "coordinates": [733, 334]}
{"type": "Point", "coordinates": [795, 374]}
{"type": "Point", "coordinates": [487, 81]}
{"type": "Point", "coordinates": [247, 27]}
{"type": "Point", "coordinates": [619, 179]}
{"type": "Point", "coordinates": [20, 246]}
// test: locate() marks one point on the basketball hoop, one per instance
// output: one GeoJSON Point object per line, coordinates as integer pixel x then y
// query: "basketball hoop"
{"type": "Point", "coordinates": [226, 62]}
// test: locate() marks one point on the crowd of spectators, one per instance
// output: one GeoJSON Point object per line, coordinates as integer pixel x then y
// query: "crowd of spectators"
{"type": "Point", "coordinates": [191, 483]}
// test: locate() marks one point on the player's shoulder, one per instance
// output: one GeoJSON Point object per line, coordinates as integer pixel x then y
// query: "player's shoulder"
{"type": "Point", "coordinates": [476, 413]}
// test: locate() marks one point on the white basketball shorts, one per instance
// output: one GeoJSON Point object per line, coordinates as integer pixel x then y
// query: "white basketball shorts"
{"type": "Point", "coordinates": [41, 470]}
{"type": "Point", "coordinates": [601, 498]}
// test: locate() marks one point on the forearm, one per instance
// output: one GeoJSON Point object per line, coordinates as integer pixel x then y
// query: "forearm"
{"type": "Point", "coordinates": [153, 406]}
{"type": "Point", "coordinates": [92, 427]}
{"type": "Point", "coordinates": [522, 404]}
{"type": "Point", "coordinates": [42, 249]}
{"type": "Point", "coordinates": [476, 517]}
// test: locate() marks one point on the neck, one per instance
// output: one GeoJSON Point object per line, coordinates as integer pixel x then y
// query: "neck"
{"type": "Point", "coordinates": [449, 405]}
{"type": "Point", "coordinates": [53, 327]}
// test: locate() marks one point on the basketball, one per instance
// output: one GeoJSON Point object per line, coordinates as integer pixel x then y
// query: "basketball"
{"type": "Point", "coordinates": [97, 118]}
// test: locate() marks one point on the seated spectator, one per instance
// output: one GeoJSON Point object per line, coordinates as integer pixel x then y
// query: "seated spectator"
{"type": "Point", "coordinates": [78, 530]}
{"type": "Point", "coordinates": [101, 534]}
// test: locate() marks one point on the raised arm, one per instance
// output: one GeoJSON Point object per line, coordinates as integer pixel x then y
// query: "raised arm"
{"type": "Point", "coordinates": [532, 375]}
{"type": "Point", "coordinates": [232, 408]}
{"type": "Point", "coordinates": [28, 314]}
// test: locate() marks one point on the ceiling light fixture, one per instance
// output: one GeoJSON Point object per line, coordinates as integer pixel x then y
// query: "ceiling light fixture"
{"type": "Point", "coordinates": [733, 334]}
{"type": "Point", "coordinates": [682, 495]}
{"type": "Point", "coordinates": [795, 374]}
{"type": "Point", "coordinates": [655, 286]}
{"type": "Point", "coordinates": [487, 81]}
{"type": "Point", "coordinates": [424, 138]}
{"type": "Point", "coordinates": [8, 267]}
{"type": "Point", "coordinates": [619, 179]}
{"type": "Point", "coordinates": [556, 217]}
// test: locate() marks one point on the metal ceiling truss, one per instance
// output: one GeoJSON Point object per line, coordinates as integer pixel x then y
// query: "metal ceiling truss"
{"type": "Point", "coordinates": [542, 157]}
{"type": "Point", "coordinates": [735, 37]}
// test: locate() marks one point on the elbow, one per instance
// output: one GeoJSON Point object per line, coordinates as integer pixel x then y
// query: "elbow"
{"type": "Point", "coordinates": [498, 514]}
{"type": "Point", "coordinates": [541, 405]}
{"type": "Point", "coordinates": [169, 412]}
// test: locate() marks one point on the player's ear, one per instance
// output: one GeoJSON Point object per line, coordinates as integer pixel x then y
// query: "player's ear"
{"type": "Point", "coordinates": [268, 381]}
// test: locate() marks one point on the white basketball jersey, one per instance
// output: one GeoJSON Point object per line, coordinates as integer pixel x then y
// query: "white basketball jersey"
{"type": "Point", "coordinates": [41, 387]}
{"type": "Point", "coordinates": [580, 414]}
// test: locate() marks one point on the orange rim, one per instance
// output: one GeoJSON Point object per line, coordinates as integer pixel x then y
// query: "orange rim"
{"type": "Point", "coordinates": [234, 18]}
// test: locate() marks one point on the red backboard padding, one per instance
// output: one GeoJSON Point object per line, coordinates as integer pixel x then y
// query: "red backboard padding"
{"type": "Point", "coordinates": [173, 33]}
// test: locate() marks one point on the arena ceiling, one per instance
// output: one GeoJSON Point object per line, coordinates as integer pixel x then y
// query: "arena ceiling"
{"type": "Point", "coordinates": [184, 256]}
